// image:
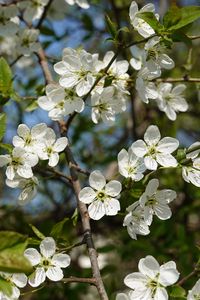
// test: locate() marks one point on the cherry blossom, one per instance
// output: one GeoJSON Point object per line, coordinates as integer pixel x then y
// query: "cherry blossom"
{"type": "Point", "coordinates": [27, 41]}
{"type": "Point", "coordinates": [170, 99]}
{"type": "Point", "coordinates": [140, 25]}
{"type": "Point", "coordinates": [130, 165]}
{"type": "Point", "coordinates": [156, 150]}
{"type": "Point", "coordinates": [156, 202]}
{"type": "Point", "coordinates": [9, 22]}
{"type": "Point", "coordinates": [194, 293]}
{"type": "Point", "coordinates": [47, 263]}
{"type": "Point", "coordinates": [82, 3]}
{"type": "Point", "coordinates": [101, 196]}
{"type": "Point", "coordinates": [150, 282]}
{"type": "Point", "coordinates": [17, 280]}
{"type": "Point", "coordinates": [33, 9]}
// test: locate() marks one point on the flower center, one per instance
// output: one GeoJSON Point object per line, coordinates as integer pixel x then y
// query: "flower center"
{"type": "Point", "coordinates": [152, 151]}
{"type": "Point", "coordinates": [49, 151]}
{"type": "Point", "coordinates": [151, 201]}
{"type": "Point", "coordinates": [101, 196]}
{"type": "Point", "coordinates": [28, 140]}
{"type": "Point", "coordinates": [16, 161]}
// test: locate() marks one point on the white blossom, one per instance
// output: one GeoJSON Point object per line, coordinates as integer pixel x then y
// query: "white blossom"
{"type": "Point", "coordinates": [52, 147]}
{"type": "Point", "coordinates": [194, 293]}
{"type": "Point", "coordinates": [154, 53]}
{"type": "Point", "coordinates": [60, 102]}
{"type": "Point", "coordinates": [101, 196]}
{"type": "Point", "coordinates": [27, 41]}
{"type": "Point", "coordinates": [117, 72]}
{"type": "Point", "coordinates": [139, 24]}
{"type": "Point", "coordinates": [82, 3]}
{"type": "Point", "coordinates": [77, 69]}
{"type": "Point", "coordinates": [122, 296]}
{"type": "Point", "coordinates": [130, 165]}
{"type": "Point", "coordinates": [191, 173]}
{"type": "Point", "coordinates": [154, 201]}
{"type": "Point", "coordinates": [28, 187]}
{"type": "Point", "coordinates": [8, 20]}
{"type": "Point", "coordinates": [145, 88]}
{"type": "Point", "coordinates": [19, 163]}
{"type": "Point", "coordinates": [17, 280]}
{"type": "Point", "coordinates": [33, 9]}
{"type": "Point", "coordinates": [47, 263]}
{"type": "Point", "coordinates": [156, 150]}
{"type": "Point", "coordinates": [135, 222]}
{"type": "Point", "coordinates": [150, 282]}
{"type": "Point", "coordinates": [31, 140]}
{"type": "Point", "coordinates": [104, 105]}
{"type": "Point", "coordinates": [170, 99]}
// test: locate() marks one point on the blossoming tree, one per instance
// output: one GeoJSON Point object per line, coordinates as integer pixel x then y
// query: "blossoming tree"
{"type": "Point", "coordinates": [100, 150]}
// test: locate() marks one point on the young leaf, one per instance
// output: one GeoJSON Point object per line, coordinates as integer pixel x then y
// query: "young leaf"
{"type": "Point", "coordinates": [6, 86]}
{"type": "Point", "coordinates": [39, 234]}
{"type": "Point", "coordinates": [177, 292]}
{"type": "Point", "coordinates": [150, 18]}
{"type": "Point", "coordinates": [172, 16]}
{"type": "Point", "coordinates": [5, 287]}
{"type": "Point", "coordinates": [12, 247]}
{"type": "Point", "coordinates": [57, 229]}
{"type": "Point", "coordinates": [2, 125]}
{"type": "Point", "coordinates": [112, 28]}
{"type": "Point", "coordinates": [188, 15]}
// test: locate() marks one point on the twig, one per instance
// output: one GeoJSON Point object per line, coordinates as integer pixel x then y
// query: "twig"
{"type": "Point", "coordinates": [44, 65]}
{"type": "Point", "coordinates": [80, 280]}
{"type": "Point", "coordinates": [184, 279]}
{"type": "Point", "coordinates": [181, 79]}
{"type": "Point", "coordinates": [42, 18]}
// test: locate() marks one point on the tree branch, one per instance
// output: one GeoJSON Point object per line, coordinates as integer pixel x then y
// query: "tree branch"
{"type": "Point", "coordinates": [80, 280]}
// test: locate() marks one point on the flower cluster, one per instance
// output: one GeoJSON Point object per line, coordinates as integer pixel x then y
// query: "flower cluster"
{"type": "Point", "coordinates": [78, 73]}
{"type": "Point", "coordinates": [30, 146]}
{"type": "Point", "coordinates": [48, 263]}
{"type": "Point", "coordinates": [152, 202]}
{"type": "Point", "coordinates": [149, 61]}
{"type": "Point", "coordinates": [191, 170]}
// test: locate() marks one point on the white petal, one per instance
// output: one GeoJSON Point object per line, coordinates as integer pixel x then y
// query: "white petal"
{"type": "Point", "coordinates": [96, 210]}
{"type": "Point", "coordinates": [61, 260]}
{"type": "Point", "coordinates": [87, 195]}
{"type": "Point", "coordinates": [168, 276]}
{"type": "Point", "coordinates": [161, 294]}
{"type": "Point", "coordinates": [113, 188]}
{"type": "Point", "coordinates": [33, 256]}
{"type": "Point", "coordinates": [60, 144]}
{"type": "Point", "coordinates": [152, 187]}
{"type": "Point", "coordinates": [122, 297]}
{"type": "Point", "coordinates": [149, 266]}
{"type": "Point", "coordinates": [152, 135]}
{"type": "Point", "coordinates": [150, 163]}
{"type": "Point", "coordinates": [54, 273]}
{"type": "Point", "coordinates": [4, 160]}
{"type": "Point", "coordinates": [10, 172]}
{"type": "Point", "coordinates": [165, 196]}
{"type": "Point", "coordinates": [25, 171]}
{"type": "Point", "coordinates": [112, 206]}
{"type": "Point", "coordinates": [139, 148]}
{"type": "Point", "coordinates": [19, 280]}
{"type": "Point", "coordinates": [166, 160]}
{"type": "Point", "coordinates": [23, 130]}
{"type": "Point", "coordinates": [48, 247]}
{"type": "Point", "coordinates": [135, 280]}
{"type": "Point", "coordinates": [162, 211]}
{"type": "Point", "coordinates": [167, 145]}
{"type": "Point", "coordinates": [97, 180]}
{"type": "Point", "coordinates": [53, 159]}
{"type": "Point", "coordinates": [38, 277]}
{"type": "Point", "coordinates": [39, 130]}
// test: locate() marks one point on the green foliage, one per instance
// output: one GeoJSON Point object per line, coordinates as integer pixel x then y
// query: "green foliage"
{"type": "Point", "coordinates": [6, 85]}
{"type": "Point", "coordinates": [39, 234]}
{"type": "Point", "coordinates": [5, 286]}
{"type": "Point", "coordinates": [3, 119]}
{"type": "Point", "coordinates": [150, 18]}
{"type": "Point", "coordinates": [177, 292]}
{"type": "Point", "coordinates": [57, 230]}
{"type": "Point", "coordinates": [111, 26]}
{"type": "Point", "coordinates": [12, 247]}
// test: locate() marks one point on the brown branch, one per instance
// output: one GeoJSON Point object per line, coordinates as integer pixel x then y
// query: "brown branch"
{"type": "Point", "coordinates": [44, 65]}
{"type": "Point", "coordinates": [80, 280]}
{"type": "Point", "coordinates": [86, 226]}
{"type": "Point", "coordinates": [184, 279]}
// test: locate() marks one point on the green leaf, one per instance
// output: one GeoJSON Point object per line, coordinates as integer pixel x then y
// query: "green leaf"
{"type": "Point", "coordinates": [112, 28]}
{"type": "Point", "coordinates": [39, 234]}
{"type": "Point", "coordinates": [2, 125]}
{"type": "Point", "coordinates": [188, 15]}
{"type": "Point", "coordinates": [150, 18]}
{"type": "Point", "coordinates": [75, 217]}
{"type": "Point", "coordinates": [6, 147]}
{"type": "Point", "coordinates": [179, 36]}
{"type": "Point", "coordinates": [57, 229]}
{"type": "Point", "coordinates": [6, 86]}
{"type": "Point", "coordinates": [5, 287]}
{"type": "Point", "coordinates": [172, 16]}
{"type": "Point", "coordinates": [177, 292]}
{"type": "Point", "coordinates": [32, 106]}
{"type": "Point", "coordinates": [12, 247]}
